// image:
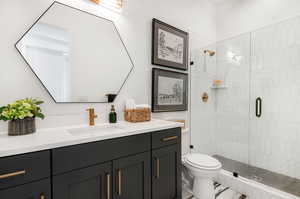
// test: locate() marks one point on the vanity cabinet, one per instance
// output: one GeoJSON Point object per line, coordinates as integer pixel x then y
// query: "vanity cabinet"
{"type": "Point", "coordinates": [22, 169]}
{"type": "Point", "coordinates": [125, 178]}
{"type": "Point", "coordinates": [25, 176]}
{"type": "Point", "coordinates": [84, 155]}
{"type": "Point", "coordinates": [91, 183]}
{"type": "Point", "coordinates": [35, 190]}
{"type": "Point", "coordinates": [132, 177]}
{"type": "Point", "coordinates": [166, 165]}
{"type": "Point", "coordinates": [143, 166]}
{"type": "Point", "coordinates": [166, 177]}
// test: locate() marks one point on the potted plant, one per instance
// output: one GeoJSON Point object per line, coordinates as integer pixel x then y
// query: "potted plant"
{"type": "Point", "coordinates": [21, 116]}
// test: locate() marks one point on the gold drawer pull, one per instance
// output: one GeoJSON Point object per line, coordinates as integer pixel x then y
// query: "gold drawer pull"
{"type": "Point", "coordinates": [157, 168]}
{"type": "Point", "coordinates": [119, 182]}
{"type": "Point", "coordinates": [17, 173]}
{"type": "Point", "coordinates": [108, 186]}
{"type": "Point", "coordinates": [169, 138]}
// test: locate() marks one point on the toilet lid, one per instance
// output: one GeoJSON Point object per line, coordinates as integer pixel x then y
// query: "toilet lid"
{"type": "Point", "coordinates": [202, 161]}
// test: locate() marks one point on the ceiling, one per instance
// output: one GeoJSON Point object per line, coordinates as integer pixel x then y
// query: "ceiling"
{"type": "Point", "coordinates": [217, 1]}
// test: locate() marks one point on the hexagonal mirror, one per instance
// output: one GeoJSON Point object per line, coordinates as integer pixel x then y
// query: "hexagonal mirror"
{"type": "Point", "coordinates": [77, 56]}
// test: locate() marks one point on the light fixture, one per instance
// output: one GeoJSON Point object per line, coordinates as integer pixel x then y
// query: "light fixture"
{"type": "Point", "coordinates": [110, 4]}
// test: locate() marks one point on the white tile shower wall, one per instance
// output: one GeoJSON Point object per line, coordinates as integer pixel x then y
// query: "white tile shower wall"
{"type": "Point", "coordinates": [233, 18]}
{"type": "Point", "coordinates": [233, 65]}
{"type": "Point", "coordinates": [203, 117]}
{"type": "Point", "coordinates": [134, 24]}
{"type": "Point", "coordinates": [272, 141]}
{"type": "Point", "coordinates": [275, 72]}
{"type": "Point", "coordinates": [251, 189]}
{"type": "Point", "coordinates": [276, 135]}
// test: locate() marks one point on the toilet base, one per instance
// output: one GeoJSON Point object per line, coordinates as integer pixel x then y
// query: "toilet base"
{"type": "Point", "coordinates": [203, 188]}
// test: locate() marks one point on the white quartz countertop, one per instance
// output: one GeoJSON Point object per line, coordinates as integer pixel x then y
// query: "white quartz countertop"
{"type": "Point", "coordinates": [45, 139]}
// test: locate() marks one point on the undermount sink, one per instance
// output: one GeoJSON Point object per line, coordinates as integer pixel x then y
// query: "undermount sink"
{"type": "Point", "coordinates": [94, 130]}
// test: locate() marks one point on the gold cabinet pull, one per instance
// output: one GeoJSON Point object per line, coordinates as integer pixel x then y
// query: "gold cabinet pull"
{"type": "Point", "coordinates": [42, 196]}
{"type": "Point", "coordinates": [108, 186]}
{"type": "Point", "coordinates": [157, 168]}
{"type": "Point", "coordinates": [8, 175]}
{"type": "Point", "coordinates": [119, 182]}
{"type": "Point", "coordinates": [169, 138]}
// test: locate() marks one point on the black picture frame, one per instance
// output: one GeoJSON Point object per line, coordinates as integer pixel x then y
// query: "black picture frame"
{"type": "Point", "coordinates": [156, 60]}
{"type": "Point", "coordinates": [161, 107]}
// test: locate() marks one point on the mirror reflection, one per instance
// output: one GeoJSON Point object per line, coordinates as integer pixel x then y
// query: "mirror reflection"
{"type": "Point", "coordinates": [78, 57]}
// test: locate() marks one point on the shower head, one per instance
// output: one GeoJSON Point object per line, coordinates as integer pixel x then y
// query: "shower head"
{"type": "Point", "coordinates": [210, 52]}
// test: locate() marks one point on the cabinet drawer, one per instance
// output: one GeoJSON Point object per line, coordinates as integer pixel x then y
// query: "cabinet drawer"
{"type": "Point", "coordinates": [21, 169]}
{"type": "Point", "coordinates": [166, 137]}
{"type": "Point", "coordinates": [84, 155]}
{"type": "Point", "coordinates": [92, 182]}
{"type": "Point", "coordinates": [36, 190]}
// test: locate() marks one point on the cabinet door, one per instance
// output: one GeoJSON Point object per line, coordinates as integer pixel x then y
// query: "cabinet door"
{"type": "Point", "coordinates": [90, 183]}
{"type": "Point", "coordinates": [36, 190]}
{"type": "Point", "coordinates": [132, 177]}
{"type": "Point", "coordinates": [166, 173]}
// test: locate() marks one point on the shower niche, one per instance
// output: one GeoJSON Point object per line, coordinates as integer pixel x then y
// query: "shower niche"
{"type": "Point", "coordinates": [236, 127]}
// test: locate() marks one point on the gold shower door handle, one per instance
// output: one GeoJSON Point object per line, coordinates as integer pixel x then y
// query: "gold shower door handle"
{"type": "Point", "coordinates": [8, 175]}
{"type": "Point", "coordinates": [119, 182]}
{"type": "Point", "coordinates": [108, 186]}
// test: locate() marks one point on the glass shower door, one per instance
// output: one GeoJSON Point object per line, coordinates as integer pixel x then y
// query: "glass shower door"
{"type": "Point", "coordinates": [251, 122]}
{"type": "Point", "coordinates": [274, 136]}
{"type": "Point", "coordinates": [220, 126]}
{"type": "Point", "coordinates": [232, 100]}
{"type": "Point", "coordinates": [203, 120]}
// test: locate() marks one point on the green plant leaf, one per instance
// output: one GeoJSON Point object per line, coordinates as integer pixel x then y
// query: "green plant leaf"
{"type": "Point", "coordinates": [39, 102]}
{"type": "Point", "coordinates": [21, 109]}
{"type": "Point", "coordinates": [40, 115]}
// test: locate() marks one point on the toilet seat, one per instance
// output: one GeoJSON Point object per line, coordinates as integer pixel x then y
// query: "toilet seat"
{"type": "Point", "coordinates": [202, 161]}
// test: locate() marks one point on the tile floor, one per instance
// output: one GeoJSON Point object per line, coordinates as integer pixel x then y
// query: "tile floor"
{"type": "Point", "coordinates": [222, 192]}
{"type": "Point", "coordinates": [272, 179]}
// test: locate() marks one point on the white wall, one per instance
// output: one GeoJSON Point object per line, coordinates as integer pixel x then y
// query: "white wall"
{"type": "Point", "coordinates": [239, 16]}
{"type": "Point", "coordinates": [134, 24]}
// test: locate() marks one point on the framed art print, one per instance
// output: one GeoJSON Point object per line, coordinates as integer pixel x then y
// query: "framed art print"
{"type": "Point", "coordinates": [169, 91]}
{"type": "Point", "coordinates": [169, 46]}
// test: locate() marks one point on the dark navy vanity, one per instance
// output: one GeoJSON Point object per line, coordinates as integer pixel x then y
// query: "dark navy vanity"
{"type": "Point", "coordinates": [142, 166]}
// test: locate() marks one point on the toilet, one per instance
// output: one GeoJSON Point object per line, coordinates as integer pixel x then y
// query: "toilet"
{"type": "Point", "coordinates": [204, 168]}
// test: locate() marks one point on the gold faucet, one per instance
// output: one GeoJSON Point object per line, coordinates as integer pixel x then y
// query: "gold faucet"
{"type": "Point", "coordinates": [92, 116]}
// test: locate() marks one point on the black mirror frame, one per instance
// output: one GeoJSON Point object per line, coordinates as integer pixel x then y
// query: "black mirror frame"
{"type": "Point", "coordinates": [110, 99]}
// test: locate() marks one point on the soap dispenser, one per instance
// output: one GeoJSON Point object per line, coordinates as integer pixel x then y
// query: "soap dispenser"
{"type": "Point", "coordinates": [112, 115]}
